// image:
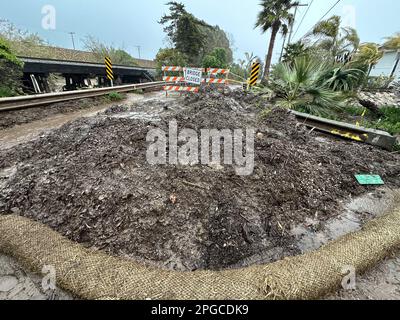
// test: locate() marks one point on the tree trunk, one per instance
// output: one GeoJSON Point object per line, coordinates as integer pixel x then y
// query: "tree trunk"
{"type": "Point", "coordinates": [268, 59]}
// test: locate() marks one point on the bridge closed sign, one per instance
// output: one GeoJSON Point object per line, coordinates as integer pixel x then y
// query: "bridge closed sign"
{"type": "Point", "coordinates": [193, 76]}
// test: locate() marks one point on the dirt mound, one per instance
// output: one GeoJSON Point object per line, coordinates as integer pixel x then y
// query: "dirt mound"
{"type": "Point", "coordinates": [116, 109]}
{"type": "Point", "coordinates": [90, 181]}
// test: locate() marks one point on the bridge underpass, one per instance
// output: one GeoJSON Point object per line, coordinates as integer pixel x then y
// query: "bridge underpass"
{"type": "Point", "coordinates": [78, 75]}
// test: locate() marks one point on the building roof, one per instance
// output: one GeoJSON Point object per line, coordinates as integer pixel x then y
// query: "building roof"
{"type": "Point", "coordinates": [23, 49]}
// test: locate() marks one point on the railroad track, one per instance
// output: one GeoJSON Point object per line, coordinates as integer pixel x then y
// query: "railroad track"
{"type": "Point", "coordinates": [25, 102]}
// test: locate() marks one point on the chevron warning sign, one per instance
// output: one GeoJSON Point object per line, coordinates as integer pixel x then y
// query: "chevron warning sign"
{"type": "Point", "coordinates": [109, 68]}
{"type": "Point", "coordinates": [255, 73]}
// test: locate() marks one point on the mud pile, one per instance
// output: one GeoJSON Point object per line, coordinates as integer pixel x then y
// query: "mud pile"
{"type": "Point", "coordinates": [90, 181]}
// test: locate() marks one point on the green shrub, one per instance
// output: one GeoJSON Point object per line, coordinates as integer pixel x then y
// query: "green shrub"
{"type": "Point", "coordinates": [216, 59]}
{"type": "Point", "coordinates": [302, 85]}
{"type": "Point", "coordinates": [390, 121]}
{"type": "Point", "coordinates": [115, 96]}
{"type": "Point", "coordinates": [6, 92]}
{"type": "Point", "coordinates": [376, 83]}
{"type": "Point", "coordinates": [170, 57]}
{"type": "Point", "coordinates": [10, 70]}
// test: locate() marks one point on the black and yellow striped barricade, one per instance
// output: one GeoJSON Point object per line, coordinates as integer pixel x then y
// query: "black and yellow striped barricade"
{"type": "Point", "coordinates": [109, 70]}
{"type": "Point", "coordinates": [254, 75]}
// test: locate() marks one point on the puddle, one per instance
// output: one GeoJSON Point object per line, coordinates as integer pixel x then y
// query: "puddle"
{"type": "Point", "coordinates": [138, 116]}
{"type": "Point", "coordinates": [312, 234]}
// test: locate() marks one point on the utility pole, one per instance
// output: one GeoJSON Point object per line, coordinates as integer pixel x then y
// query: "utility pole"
{"type": "Point", "coordinates": [72, 37]}
{"type": "Point", "coordinates": [283, 48]}
{"type": "Point", "coordinates": [291, 30]}
{"type": "Point", "coordinates": [396, 64]}
{"type": "Point", "coordinates": [294, 20]}
{"type": "Point", "coordinates": [138, 47]}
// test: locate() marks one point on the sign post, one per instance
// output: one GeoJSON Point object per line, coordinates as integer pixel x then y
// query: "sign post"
{"type": "Point", "coordinates": [255, 73]}
{"type": "Point", "coordinates": [109, 70]}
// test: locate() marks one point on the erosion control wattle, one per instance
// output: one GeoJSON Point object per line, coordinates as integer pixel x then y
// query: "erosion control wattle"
{"type": "Point", "coordinates": [95, 275]}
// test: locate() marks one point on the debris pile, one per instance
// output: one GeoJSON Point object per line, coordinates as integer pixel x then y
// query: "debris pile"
{"type": "Point", "coordinates": [90, 181]}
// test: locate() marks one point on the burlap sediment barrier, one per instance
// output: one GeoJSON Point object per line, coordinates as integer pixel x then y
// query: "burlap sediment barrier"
{"type": "Point", "coordinates": [95, 275]}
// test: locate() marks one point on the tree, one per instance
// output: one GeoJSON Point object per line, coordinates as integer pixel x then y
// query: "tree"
{"type": "Point", "coordinates": [10, 32]}
{"type": "Point", "coordinates": [217, 38]}
{"type": "Point", "coordinates": [189, 39]}
{"type": "Point", "coordinates": [192, 36]}
{"type": "Point", "coordinates": [295, 50]}
{"type": "Point", "coordinates": [117, 55]}
{"type": "Point", "coordinates": [274, 16]}
{"type": "Point", "coordinates": [170, 57]}
{"type": "Point", "coordinates": [170, 22]}
{"type": "Point", "coordinates": [183, 31]}
{"type": "Point", "coordinates": [302, 85]}
{"type": "Point", "coordinates": [216, 59]}
{"type": "Point", "coordinates": [242, 68]}
{"type": "Point", "coordinates": [368, 55]}
{"type": "Point", "coordinates": [393, 42]}
{"type": "Point", "coordinates": [334, 39]}
{"type": "Point", "coordinates": [10, 70]}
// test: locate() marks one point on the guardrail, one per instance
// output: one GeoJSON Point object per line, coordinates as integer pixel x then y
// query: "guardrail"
{"type": "Point", "coordinates": [345, 130]}
{"type": "Point", "coordinates": [24, 102]}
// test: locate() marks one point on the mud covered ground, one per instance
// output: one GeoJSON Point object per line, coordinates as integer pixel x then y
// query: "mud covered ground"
{"type": "Point", "coordinates": [90, 181]}
{"type": "Point", "coordinates": [12, 118]}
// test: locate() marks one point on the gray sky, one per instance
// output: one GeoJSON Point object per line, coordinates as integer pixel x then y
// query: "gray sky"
{"type": "Point", "coordinates": [128, 23]}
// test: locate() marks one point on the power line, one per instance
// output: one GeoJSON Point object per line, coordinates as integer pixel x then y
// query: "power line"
{"type": "Point", "coordinates": [291, 29]}
{"type": "Point", "coordinates": [302, 19]}
{"type": "Point", "coordinates": [294, 20]}
{"type": "Point", "coordinates": [331, 8]}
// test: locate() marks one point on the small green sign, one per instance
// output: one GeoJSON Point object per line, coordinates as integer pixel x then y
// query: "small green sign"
{"type": "Point", "coordinates": [365, 179]}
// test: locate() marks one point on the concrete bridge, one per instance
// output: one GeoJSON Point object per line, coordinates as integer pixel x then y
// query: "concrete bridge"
{"type": "Point", "coordinates": [78, 74]}
{"type": "Point", "coordinates": [48, 68]}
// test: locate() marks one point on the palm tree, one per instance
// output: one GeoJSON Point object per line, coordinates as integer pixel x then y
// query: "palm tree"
{"type": "Point", "coordinates": [314, 85]}
{"type": "Point", "coordinates": [295, 50]}
{"type": "Point", "coordinates": [368, 54]}
{"type": "Point", "coordinates": [306, 85]}
{"type": "Point", "coordinates": [392, 42]}
{"type": "Point", "coordinates": [332, 38]}
{"type": "Point", "coordinates": [274, 15]}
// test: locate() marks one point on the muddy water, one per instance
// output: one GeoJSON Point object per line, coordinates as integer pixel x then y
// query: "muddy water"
{"type": "Point", "coordinates": [355, 213]}
{"type": "Point", "coordinates": [22, 133]}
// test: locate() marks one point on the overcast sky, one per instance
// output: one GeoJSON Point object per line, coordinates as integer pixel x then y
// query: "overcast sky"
{"type": "Point", "coordinates": [130, 23]}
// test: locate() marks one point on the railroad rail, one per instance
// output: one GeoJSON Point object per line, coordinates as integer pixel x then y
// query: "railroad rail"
{"type": "Point", "coordinates": [25, 102]}
{"type": "Point", "coordinates": [348, 131]}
